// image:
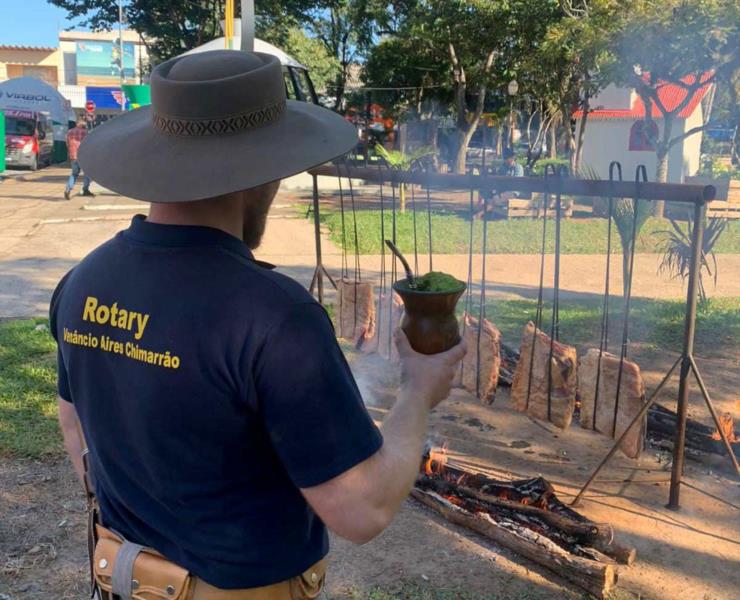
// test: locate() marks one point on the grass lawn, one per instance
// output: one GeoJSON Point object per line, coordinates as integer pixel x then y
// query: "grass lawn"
{"type": "Point", "coordinates": [656, 323]}
{"type": "Point", "coordinates": [451, 234]}
{"type": "Point", "coordinates": [28, 412]}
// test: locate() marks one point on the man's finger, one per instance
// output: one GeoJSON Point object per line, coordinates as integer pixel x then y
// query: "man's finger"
{"type": "Point", "coordinates": [454, 354]}
{"type": "Point", "coordinates": [402, 342]}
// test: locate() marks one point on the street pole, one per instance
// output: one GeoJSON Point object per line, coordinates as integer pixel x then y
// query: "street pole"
{"type": "Point", "coordinates": [247, 25]}
{"type": "Point", "coordinates": [229, 24]}
{"type": "Point", "coordinates": [512, 89]}
{"type": "Point", "coordinates": [511, 124]}
{"type": "Point", "coordinates": [120, 52]}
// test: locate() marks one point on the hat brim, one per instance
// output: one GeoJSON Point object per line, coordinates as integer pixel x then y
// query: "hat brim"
{"type": "Point", "coordinates": [132, 157]}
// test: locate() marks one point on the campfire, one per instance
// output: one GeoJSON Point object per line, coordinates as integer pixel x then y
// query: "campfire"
{"type": "Point", "coordinates": [524, 516]}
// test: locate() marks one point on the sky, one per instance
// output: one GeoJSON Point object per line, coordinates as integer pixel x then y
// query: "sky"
{"type": "Point", "coordinates": [31, 23]}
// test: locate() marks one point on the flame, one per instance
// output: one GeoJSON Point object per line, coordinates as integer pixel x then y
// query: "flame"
{"type": "Point", "coordinates": [435, 463]}
{"type": "Point", "coordinates": [725, 420]}
{"type": "Point", "coordinates": [455, 500]}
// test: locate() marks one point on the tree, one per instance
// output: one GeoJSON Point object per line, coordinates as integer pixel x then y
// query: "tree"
{"type": "Point", "coordinates": [171, 27]}
{"type": "Point", "coordinates": [400, 161]}
{"type": "Point", "coordinates": [568, 66]}
{"type": "Point", "coordinates": [689, 44]}
{"type": "Point", "coordinates": [345, 30]}
{"type": "Point", "coordinates": [312, 53]}
{"type": "Point", "coordinates": [481, 42]}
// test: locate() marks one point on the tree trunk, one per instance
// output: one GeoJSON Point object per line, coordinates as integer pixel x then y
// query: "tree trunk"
{"type": "Point", "coordinates": [570, 139]}
{"type": "Point", "coordinates": [581, 131]}
{"type": "Point", "coordinates": [462, 150]}
{"type": "Point", "coordinates": [552, 146]}
{"type": "Point", "coordinates": [625, 268]}
{"type": "Point", "coordinates": [434, 143]}
{"type": "Point", "coordinates": [402, 197]}
{"type": "Point", "coordinates": [571, 144]}
{"type": "Point", "coordinates": [499, 140]}
{"type": "Point", "coordinates": [340, 91]}
{"type": "Point", "coordinates": [662, 148]}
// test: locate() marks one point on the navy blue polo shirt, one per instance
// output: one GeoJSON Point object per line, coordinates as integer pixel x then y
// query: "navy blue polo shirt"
{"type": "Point", "coordinates": [210, 389]}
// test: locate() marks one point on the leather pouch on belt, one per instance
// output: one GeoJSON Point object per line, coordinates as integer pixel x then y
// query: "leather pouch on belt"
{"type": "Point", "coordinates": [153, 576]}
{"type": "Point", "coordinates": [309, 584]}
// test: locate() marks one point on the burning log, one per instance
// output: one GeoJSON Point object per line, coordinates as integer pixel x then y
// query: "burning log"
{"type": "Point", "coordinates": [563, 380]}
{"type": "Point", "coordinates": [355, 315]}
{"type": "Point", "coordinates": [661, 426]}
{"type": "Point", "coordinates": [596, 577]}
{"type": "Point", "coordinates": [631, 398]}
{"type": "Point", "coordinates": [479, 376]}
{"type": "Point", "coordinates": [527, 517]}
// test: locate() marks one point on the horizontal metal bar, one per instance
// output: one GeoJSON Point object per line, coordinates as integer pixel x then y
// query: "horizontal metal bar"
{"type": "Point", "coordinates": [690, 193]}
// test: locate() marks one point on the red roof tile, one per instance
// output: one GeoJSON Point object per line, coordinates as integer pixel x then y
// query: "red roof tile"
{"type": "Point", "coordinates": [670, 95]}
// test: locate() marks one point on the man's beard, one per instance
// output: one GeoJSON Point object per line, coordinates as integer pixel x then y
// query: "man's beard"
{"type": "Point", "coordinates": [253, 230]}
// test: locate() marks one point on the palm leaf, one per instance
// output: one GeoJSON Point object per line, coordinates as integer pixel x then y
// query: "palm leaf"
{"type": "Point", "coordinates": [676, 248]}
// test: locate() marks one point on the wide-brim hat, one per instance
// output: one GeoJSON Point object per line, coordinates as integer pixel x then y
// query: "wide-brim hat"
{"type": "Point", "coordinates": [219, 122]}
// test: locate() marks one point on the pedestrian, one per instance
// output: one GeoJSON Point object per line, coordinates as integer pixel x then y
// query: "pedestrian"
{"type": "Point", "coordinates": [225, 430]}
{"type": "Point", "coordinates": [74, 138]}
{"type": "Point", "coordinates": [488, 198]}
{"type": "Point", "coordinates": [511, 168]}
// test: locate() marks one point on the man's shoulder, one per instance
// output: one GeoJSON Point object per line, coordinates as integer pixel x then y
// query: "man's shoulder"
{"type": "Point", "coordinates": [274, 287]}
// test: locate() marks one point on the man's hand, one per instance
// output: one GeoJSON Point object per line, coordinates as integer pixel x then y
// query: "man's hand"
{"type": "Point", "coordinates": [427, 378]}
{"type": "Point", "coordinates": [360, 503]}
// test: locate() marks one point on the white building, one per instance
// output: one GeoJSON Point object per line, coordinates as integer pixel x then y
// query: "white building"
{"type": "Point", "coordinates": [616, 130]}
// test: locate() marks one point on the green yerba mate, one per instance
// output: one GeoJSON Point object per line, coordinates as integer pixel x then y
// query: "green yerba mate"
{"type": "Point", "coordinates": [437, 282]}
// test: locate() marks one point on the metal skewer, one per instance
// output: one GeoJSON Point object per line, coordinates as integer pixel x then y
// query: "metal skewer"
{"type": "Point", "coordinates": [409, 273]}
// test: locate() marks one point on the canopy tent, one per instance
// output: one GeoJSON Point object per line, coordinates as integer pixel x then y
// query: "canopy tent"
{"type": "Point", "coordinates": [29, 93]}
{"type": "Point", "coordinates": [259, 46]}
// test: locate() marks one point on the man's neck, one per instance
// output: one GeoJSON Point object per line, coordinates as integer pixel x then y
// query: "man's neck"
{"type": "Point", "coordinates": [218, 213]}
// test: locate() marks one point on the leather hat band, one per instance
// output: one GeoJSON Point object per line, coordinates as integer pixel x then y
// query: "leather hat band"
{"type": "Point", "coordinates": [232, 124]}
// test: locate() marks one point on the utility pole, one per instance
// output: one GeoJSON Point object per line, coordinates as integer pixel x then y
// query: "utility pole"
{"type": "Point", "coordinates": [247, 26]}
{"type": "Point", "coordinates": [120, 52]}
{"type": "Point", "coordinates": [229, 24]}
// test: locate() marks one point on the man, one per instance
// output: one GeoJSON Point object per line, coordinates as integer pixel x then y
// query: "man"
{"type": "Point", "coordinates": [75, 136]}
{"type": "Point", "coordinates": [225, 429]}
{"type": "Point", "coordinates": [511, 168]}
{"type": "Point", "coordinates": [487, 198]}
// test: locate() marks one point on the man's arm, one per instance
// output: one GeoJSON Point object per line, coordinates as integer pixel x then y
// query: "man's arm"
{"type": "Point", "coordinates": [70, 431]}
{"type": "Point", "coordinates": [360, 503]}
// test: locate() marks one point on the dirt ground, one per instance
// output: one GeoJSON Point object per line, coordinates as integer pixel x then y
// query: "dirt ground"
{"type": "Point", "coordinates": [690, 554]}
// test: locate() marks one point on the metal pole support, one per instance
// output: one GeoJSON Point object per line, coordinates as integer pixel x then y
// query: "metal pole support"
{"type": "Point", "coordinates": [686, 357]}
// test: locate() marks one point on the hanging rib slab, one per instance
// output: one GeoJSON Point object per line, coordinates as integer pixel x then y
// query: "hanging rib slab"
{"type": "Point", "coordinates": [355, 312]}
{"type": "Point", "coordinates": [563, 392]}
{"type": "Point", "coordinates": [483, 383]}
{"type": "Point", "coordinates": [631, 398]}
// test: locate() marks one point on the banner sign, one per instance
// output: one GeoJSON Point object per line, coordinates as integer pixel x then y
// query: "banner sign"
{"type": "Point", "coordinates": [137, 95]}
{"type": "Point", "coordinates": [105, 98]}
{"type": "Point", "coordinates": [98, 62]}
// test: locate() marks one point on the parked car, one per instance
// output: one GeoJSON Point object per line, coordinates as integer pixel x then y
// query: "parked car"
{"type": "Point", "coordinates": [29, 139]}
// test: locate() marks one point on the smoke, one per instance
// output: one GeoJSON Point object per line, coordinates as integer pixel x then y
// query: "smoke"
{"type": "Point", "coordinates": [376, 378]}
